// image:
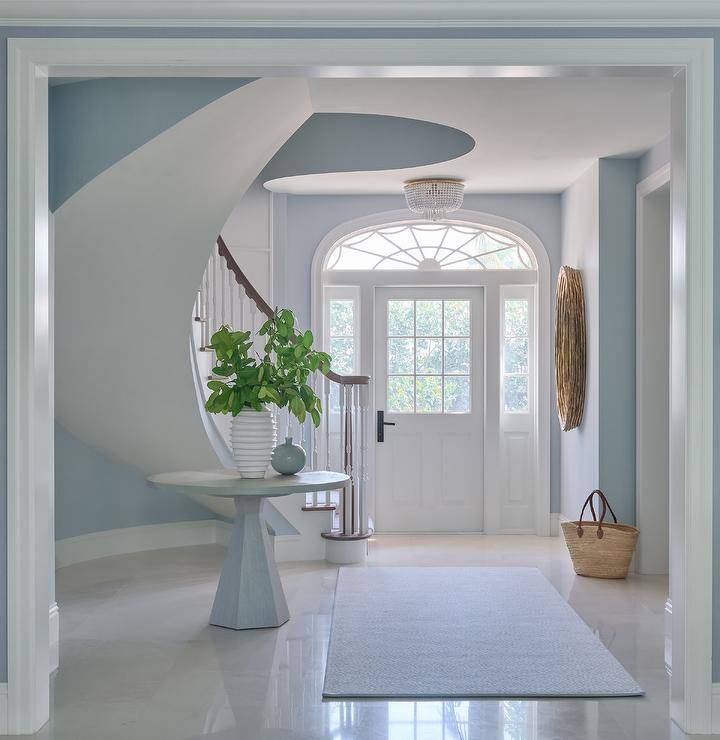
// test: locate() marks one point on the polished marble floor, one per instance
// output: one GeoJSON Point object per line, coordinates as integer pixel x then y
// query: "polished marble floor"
{"type": "Point", "coordinates": [138, 660]}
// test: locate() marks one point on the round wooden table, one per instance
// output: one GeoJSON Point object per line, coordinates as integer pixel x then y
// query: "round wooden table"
{"type": "Point", "coordinates": [249, 593]}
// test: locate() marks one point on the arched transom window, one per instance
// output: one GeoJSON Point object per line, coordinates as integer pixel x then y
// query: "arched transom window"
{"type": "Point", "coordinates": [413, 245]}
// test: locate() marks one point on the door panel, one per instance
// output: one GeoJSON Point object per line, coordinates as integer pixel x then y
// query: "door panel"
{"type": "Point", "coordinates": [429, 368]}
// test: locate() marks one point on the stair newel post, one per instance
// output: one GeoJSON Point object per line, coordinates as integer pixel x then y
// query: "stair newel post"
{"type": "Point", "coordinates": [362, 471]}
{"type": "Point", "coordinates": [347, 416]}
{"type": "Point", "coordinates": [342, 430]}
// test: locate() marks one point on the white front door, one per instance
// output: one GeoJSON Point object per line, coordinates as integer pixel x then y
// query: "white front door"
{"type": "Point", "coordinates": [429, 360]}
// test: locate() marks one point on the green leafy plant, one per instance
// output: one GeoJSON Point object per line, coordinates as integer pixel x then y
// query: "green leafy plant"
{"type": "Point", "coordinates": [280, 377]}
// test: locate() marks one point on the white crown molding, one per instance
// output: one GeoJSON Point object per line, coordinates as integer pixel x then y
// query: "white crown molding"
{"type": "Point", "coordinates": [361, 13]}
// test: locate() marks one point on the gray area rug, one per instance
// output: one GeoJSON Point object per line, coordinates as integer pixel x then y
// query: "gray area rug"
{"type": "Point", "coordinates": [463, 632]}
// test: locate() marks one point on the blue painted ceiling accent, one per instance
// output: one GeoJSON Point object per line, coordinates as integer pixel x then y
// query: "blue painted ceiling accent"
{"type": "Point", "coordinates": [352, 142]}
{"type": "Point", "coordinates": [95, 123]}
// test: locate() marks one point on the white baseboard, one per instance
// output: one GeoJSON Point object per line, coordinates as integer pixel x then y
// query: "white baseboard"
{"type": "Point", "coordinates": [3, 709]}
{"type": "Point", "coordinates": [95, 545]}
{"type": "Point", "coordinates": [135, 539]}
{"type": "Point", "coordinates": [54, 657]}
{"type": "Point", "coordinates": [715, 709]}
{"type": "Point", "coordinates": [555, 521]}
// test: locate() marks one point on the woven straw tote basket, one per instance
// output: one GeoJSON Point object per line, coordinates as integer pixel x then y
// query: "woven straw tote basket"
{"type": "Point", "coordinates": [598, 549]}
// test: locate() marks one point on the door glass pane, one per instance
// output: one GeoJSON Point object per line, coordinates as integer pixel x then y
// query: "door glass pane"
{"type": "Point", "coordinates": [457, 394]}
{"type": "Point", "coordinates": [340, 337]}
{"type": "Point", "coordinates": [516, 317]}
{"type": "Point", "coordinates": [341, 317]}
{"type": "Point", "coordinates": [516, 356]}
{"type": "Point", "coordinates": [401, 318]}
{"type": "Point", "coordinates": [401, 394]}
{"type": "Point", "coordinates": [428, 357]}
{"type": "Point", "coordinates": [427, 372]}
{"type": "Point", "coordinates": [400, 356]}
{"type": "Point", "coordinates": [457, 318]}
{"type": "Point", "coordinates": [429, 394]}
{"type": "Point", "coordinates": [428, 319]}
{"type": "Point", "coordinates": [516, 393]}
{"type": "Point", "coordinates": [457, 356]}
{"type": "Point", "coordinates": [342, 351]}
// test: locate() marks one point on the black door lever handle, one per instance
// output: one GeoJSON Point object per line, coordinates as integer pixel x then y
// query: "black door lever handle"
{"type": "Point", "coordinates": [381, 424]}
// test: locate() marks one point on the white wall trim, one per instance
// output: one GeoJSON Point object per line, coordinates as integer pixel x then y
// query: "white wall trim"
{"type": "Point", "coordinates": [30, 414]}
{"type": "Point", "coordinates": [355, 13]}
{"type": "Point", "coordinates": [555, 521]}
{"type": "Point", "coordinates": [95, 545]}
{"type": "Point", "coordinates": [3, 709]}
{"type": "Point", "coordinates": [54, 640]}
{"type": "Point", "coordinates": [146, 537]}
{"type": "Point", "coordinates": [643, 189]}
{"type": "Point", "coordinates": [716, 708]}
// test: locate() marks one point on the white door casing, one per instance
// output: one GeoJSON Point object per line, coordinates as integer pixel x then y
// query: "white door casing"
{"type": "Point", "coordinates": [30, 59]}
{"type": "Point", "coordinates": [429, 470]}
{"type": "Point", "coordinates": [492, 281]}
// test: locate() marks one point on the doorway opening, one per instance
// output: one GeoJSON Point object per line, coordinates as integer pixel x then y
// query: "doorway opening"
{"type": "Point", "coordinates": [451, 320]}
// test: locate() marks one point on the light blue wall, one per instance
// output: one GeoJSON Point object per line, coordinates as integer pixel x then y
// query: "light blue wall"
{"type": "Point", "coordinates": [310, 217]}
{"type": "Point", "coordinates": [95, 123]}
{"type": "Point", "coordinates": [616, 350]}
{"type": "Point", "coordinates": [85, 32]}
{"type": "Point", "coordinates": [94, 493]}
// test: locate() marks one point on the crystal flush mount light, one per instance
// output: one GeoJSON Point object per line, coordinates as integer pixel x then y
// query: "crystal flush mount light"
{"type": "Point", "coordinates": [434, 198]}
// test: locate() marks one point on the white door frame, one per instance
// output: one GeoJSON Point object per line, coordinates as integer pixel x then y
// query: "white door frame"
{"type": "Point", "coordinates": [30, 413]}
{"type": "Point", "coordinates": [473, 278]}
{"type": "Point", "coordinates": [645, 188]}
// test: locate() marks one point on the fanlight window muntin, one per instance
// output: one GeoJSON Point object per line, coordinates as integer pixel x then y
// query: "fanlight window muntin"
{"type": "Point", "coordinates": [425, 245]}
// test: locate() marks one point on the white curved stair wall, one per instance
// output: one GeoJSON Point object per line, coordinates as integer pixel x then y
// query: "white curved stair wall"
{"type": "Point", "coordinates": [131, 246]}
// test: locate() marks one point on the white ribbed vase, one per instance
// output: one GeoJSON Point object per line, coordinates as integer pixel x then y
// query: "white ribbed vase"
{"type": "Point", "coordinates": [253, 436]}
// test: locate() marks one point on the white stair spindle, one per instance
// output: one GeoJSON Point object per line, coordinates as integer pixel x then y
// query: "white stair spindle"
{"type": "Point", "coordinates": [222, 276]}
{"type": "Point", "coordinates": [206, 309]}
{"type": "Point", "coordinates": [231, 294]}
{"type": "Point", "coordinates": [214, 271]}
{"type": "Point", "coordinates": [241, 308]}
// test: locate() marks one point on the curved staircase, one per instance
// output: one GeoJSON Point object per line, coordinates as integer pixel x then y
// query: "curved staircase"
{"type": "Point", "coordinates": [227, 297]}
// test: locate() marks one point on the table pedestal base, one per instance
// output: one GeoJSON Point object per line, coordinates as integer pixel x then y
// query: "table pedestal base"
{"type": "Point", "coordinates": [249, 594]}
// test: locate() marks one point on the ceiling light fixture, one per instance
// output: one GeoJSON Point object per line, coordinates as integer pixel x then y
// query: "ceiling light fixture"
{"type": "Point", "coordinates": [434, 198]}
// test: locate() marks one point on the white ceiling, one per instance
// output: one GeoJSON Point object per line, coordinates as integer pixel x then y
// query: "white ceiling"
{"type": "Point", "coordinates": [532, 135]}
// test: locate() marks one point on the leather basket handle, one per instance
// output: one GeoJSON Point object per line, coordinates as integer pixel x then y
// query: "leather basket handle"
{"type": "Point", "coordinates": [605, 508]}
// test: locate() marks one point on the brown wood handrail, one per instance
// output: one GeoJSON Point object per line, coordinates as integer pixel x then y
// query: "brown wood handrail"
{"type": "Point", "coordinates": [264, 308]}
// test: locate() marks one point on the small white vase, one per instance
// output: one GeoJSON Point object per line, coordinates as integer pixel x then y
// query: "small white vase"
{"type": "Point", "coordinates": [253, 435]}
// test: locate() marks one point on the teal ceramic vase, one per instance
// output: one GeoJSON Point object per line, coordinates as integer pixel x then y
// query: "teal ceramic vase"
{"type": "Point", "coordinates": [287, 458]}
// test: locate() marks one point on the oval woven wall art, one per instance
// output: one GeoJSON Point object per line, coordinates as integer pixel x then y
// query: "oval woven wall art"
{"type": "Point", "coordinates": [570, 359]}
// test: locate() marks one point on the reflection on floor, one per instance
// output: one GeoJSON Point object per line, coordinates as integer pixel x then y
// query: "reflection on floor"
{"type": "Point", "coordinates": [138, 660]}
